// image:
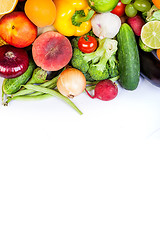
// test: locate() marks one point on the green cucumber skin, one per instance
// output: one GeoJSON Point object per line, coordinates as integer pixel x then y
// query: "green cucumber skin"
{"type": "Point", "coordinates": [128, 56]}
{"type": "Point", "coordinates": [12, 85]}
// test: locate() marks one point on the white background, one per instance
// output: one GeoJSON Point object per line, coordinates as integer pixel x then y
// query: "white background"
{"type": "Point", "coordinates": [95, 176]}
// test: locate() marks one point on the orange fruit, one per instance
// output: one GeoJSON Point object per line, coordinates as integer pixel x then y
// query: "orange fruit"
{"type": "Point", "coordinates": [156, 3]}
{"type": "Point", "coordinates": [158, 53]}
{"type": "Point", "coordinates": [41, 12]}
{"type": "Point", "coordinates": [7, 6]}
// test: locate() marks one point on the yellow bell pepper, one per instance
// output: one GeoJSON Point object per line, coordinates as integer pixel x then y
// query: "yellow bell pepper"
{"type": "Point", "coordinates": [73, 17]}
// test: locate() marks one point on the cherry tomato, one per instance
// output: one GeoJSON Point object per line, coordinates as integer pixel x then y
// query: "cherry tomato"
{"type": "Point", "coordinates": [87, 44]}
{"type": "Point", "coordinates": [119, 10]}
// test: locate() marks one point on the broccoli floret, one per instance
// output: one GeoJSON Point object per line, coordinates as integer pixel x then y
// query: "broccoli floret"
{"type": "Point", "coordinates": [100, 51]}
{"type": "Point", "coordinates": [74, 42]}
{"type": "Point", "coordinates": [98, 71]}
{"type": "Point", "coordinates": [78, 61]}
{"type": "Point", "coordinates": [112, 66]}
{"type": "Point", "coordinates": [88, 77]}
{"type": "Point", "coordinates": [95, 63]}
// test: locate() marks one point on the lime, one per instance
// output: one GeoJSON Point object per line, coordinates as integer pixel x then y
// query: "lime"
{"type": "Point", "coordinates": [102, 6]}
{"type": "Point", "coordinates": [150, 34]}
{"type": "Point", "coordinates": [144, 47]}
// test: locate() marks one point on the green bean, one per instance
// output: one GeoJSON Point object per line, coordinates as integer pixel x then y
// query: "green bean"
{"type": "Point", "coordinates": [29, 97]}
{"type": "Point", "coordinates": [47, 84]}
{"type": "Point", "coordinates": [53, 93]}
{"type": "Point", "coordinates": [50, 82]}
{"type": "Point", "coordinates": [39, 93]}
{"type": "Point", "coordinates": [32, 96]}
{"type": "Point", "coordinates": [3, 96]}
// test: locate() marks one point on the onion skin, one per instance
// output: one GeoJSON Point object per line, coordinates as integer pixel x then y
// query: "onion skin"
{"type": "Point", "coordinates": [13, 61]}
{"type": "Point", "coordinates": [71, 82]}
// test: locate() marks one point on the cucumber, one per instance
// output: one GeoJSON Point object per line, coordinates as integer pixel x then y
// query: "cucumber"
{"type": "Point", "coordinates": [128, 56]}
{"type": "Point", "coordinates": [12, 85]}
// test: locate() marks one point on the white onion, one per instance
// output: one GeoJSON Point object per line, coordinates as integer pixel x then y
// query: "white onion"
{"type": "Point", "coordinates": [105, 25]}
{"type": "Point", "coordinates": [71, 82]}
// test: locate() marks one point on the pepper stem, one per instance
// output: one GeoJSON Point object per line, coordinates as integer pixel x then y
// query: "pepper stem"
{"type": "Point", "coordinates": [79, 17]}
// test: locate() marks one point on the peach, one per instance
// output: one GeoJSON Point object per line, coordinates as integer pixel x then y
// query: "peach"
{"type": "Point", "coordinates": [52, 51]}
{"type": "Point", "coordinates": [17, 30]}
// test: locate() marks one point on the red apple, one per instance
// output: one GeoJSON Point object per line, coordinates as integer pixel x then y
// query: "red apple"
{"type": "Point", "coordinates": [17, 30]}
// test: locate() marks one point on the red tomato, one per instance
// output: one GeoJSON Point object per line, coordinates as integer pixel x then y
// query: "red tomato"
{"type": "Point", "coordinates": [119, 10]}
{"type": "Point", "coordinates": [87, 44]}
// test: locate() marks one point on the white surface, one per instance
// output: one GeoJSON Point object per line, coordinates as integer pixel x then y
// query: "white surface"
{"type": "Point", "coordinates": [131, 114]}
{"type": "Point", "coordinates": [95, 176]}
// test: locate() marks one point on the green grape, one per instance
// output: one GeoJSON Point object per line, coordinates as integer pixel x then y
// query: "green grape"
{"type": "Point", "coordinates": [130, 10]}
{"type": "Point", "coordinates": [126, 1]}
{"type": "Point", "coordinates": [142, 5]}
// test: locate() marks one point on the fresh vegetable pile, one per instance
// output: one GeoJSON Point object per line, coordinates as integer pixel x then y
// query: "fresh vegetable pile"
{"type": "Point", "coordinates": [63, 48]}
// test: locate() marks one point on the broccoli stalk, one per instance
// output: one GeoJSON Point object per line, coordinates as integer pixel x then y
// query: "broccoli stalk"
{"type": "Point", "coordinates": [98, 71]}
{"type": "Point", "coordinates": [94, 64]}
{"type": "Point", "coordinates": [96, 55]}
{"type": "Point", "coordinates": [112, 66]}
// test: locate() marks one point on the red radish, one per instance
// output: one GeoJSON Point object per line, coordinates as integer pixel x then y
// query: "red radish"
{"type": "Point", "coordinates": [136, 23]}
{"type": "Point", "coordinates": [105, 90]}
{"type": "Point", "coordinates": [13, 61]}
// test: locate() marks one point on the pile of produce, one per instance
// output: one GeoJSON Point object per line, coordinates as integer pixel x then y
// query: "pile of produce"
{"type": "Point", "coordinates": [63, 48]}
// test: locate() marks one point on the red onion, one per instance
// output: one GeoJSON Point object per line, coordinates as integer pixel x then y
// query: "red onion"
{"type": "Point", "coordinates": [13, 61]}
